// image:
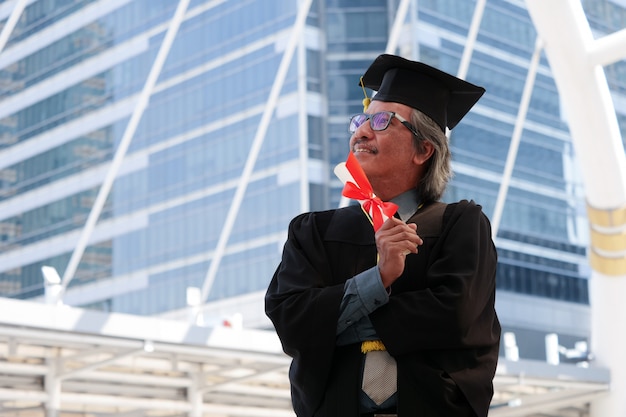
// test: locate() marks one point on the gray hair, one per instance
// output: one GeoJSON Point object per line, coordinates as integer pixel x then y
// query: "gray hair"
{"type": "Point", "coordinates": [438, 169]}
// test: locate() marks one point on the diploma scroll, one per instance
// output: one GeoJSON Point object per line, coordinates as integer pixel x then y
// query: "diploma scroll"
{"type": "Point", "coordinates": [358, 187]}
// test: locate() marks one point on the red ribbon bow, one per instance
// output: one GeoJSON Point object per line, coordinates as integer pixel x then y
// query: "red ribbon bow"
{"type": "Point", "coordinates": [377, 210]}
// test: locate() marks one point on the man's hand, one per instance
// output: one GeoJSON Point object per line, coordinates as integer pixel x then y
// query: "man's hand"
{"type": "Point", "coordinates": [394, 241]}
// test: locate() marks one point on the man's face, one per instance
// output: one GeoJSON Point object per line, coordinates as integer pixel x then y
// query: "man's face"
{"type": "Point", "coordinates": [388, 156]}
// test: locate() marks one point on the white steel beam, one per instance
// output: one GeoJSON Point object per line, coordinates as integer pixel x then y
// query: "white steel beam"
{"type": "Point", "coordinates": [303, 129]}
{"type": "Point", "coordinates": [62, 374]}
{"type": "Point", "coordinates": [575, 59]}
{"type": "Point", "coordinates": [59, 29]}
{"type": "Point", "coordinates": [396, 28]}
{"type": "Point", "coordinates": [233, 381]}
{"type": "Point", "coordinates": [470, 43]}
{"type": "Point", "coordinates": [608, 49]}
{"type": "Point", "coordinates": [515, 139]}
{"type": "Point", "coordinates": [129, 132]}
{"type": "Point", "coordinates": [255, 148]}
{"type": "Point", "coordinates": [18, 8]}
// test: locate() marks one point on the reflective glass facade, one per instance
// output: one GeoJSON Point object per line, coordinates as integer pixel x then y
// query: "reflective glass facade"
{"type": "Point", "coordinates": [67, 99]}
{"type": "Point", "coordinates": [70, 78]}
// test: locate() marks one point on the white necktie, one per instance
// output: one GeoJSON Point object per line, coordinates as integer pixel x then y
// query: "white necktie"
{"type": "Point", "coordinates": [379, 376]}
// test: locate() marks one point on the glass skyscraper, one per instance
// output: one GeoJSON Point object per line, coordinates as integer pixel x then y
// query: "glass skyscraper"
{"type": "Point", "coordinates": [72, 76]}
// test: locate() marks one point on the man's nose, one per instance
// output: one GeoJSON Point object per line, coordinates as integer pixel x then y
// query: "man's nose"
{"type": "Point", "coordinates": [364, 130]}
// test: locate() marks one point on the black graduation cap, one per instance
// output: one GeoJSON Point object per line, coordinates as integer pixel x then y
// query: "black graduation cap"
{"type": "Point", "coordinates": [441, 96]}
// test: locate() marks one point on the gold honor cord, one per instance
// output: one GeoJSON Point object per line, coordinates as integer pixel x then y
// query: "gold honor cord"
{"type": "Point", "coordinates": [372, 345]}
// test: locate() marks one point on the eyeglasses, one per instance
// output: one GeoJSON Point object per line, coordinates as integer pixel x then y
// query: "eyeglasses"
{"type": "Point", "coordinates": [379, 121]}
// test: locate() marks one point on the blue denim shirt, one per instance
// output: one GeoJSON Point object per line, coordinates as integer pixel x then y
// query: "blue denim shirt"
{"type": "Point", "coordinates": [363, 294]}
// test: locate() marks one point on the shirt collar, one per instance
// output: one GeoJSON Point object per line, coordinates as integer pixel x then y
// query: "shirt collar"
{"type": "Point", "coordinates": [408, 203]}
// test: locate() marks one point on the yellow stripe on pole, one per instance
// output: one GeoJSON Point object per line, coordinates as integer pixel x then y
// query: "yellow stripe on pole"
{"type": "Point", "coordinates": [606, 265]}
{"type": "Point", "coordinates": [608, 240]}
{"type": "Point", "coordinates": [607, 217]}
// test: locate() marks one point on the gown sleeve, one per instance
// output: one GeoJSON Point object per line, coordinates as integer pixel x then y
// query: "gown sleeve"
{"type": "Point", "coordinates": [454, 308]}
{"type": "Point", "coordinates": [305, 309]}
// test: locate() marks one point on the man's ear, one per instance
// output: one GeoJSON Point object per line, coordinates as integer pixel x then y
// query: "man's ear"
{"type": "Point", "coordinates": [421, 158]}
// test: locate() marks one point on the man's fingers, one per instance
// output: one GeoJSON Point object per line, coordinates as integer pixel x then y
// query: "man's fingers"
{"type": "Point", "coordinates": [397, 233]}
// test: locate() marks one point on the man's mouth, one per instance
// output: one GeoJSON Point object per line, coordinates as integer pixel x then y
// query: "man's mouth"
{"type": "Point", "coordinates": [364, 149]}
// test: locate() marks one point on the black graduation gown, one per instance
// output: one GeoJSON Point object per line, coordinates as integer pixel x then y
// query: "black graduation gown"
{"type": "Point", "coordinates": [440, 323]}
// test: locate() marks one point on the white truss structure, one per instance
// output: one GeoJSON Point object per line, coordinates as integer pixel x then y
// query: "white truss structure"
{"type": "Point", "coordinates": [60, 361]}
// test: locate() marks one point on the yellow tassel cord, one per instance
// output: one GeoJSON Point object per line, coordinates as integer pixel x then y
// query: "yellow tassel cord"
{"type": "Point", "coordinates": [366, 100]}
{"type": "Point", "coordinates": [372, 345]}
{"type": "Point", "coordinates": [367, 215]}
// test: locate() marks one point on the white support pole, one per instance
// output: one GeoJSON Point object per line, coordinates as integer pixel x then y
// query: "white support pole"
{"type": "Point", "coordinates": [244, 180]}
{"type": "Point", "coordinates": [574, 58]}
{"type": "Point", "coordinates": [120, 153]}
{"type": "Point", "coordinates": [194, 393]}
{"type": "Point", "coordinates": [515, 138]}
{"type": "Point", "coordinates": [11, 22]}
{"type": "Point", "coordinates": [52, 285]}
{"type": "Point", "coordinates": [52, 386]}
{"type": "Point", "coordinates": [608, 339]}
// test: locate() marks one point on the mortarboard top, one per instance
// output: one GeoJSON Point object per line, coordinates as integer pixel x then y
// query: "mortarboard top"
{"type": "Point", "coordinates": [441, 96]}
